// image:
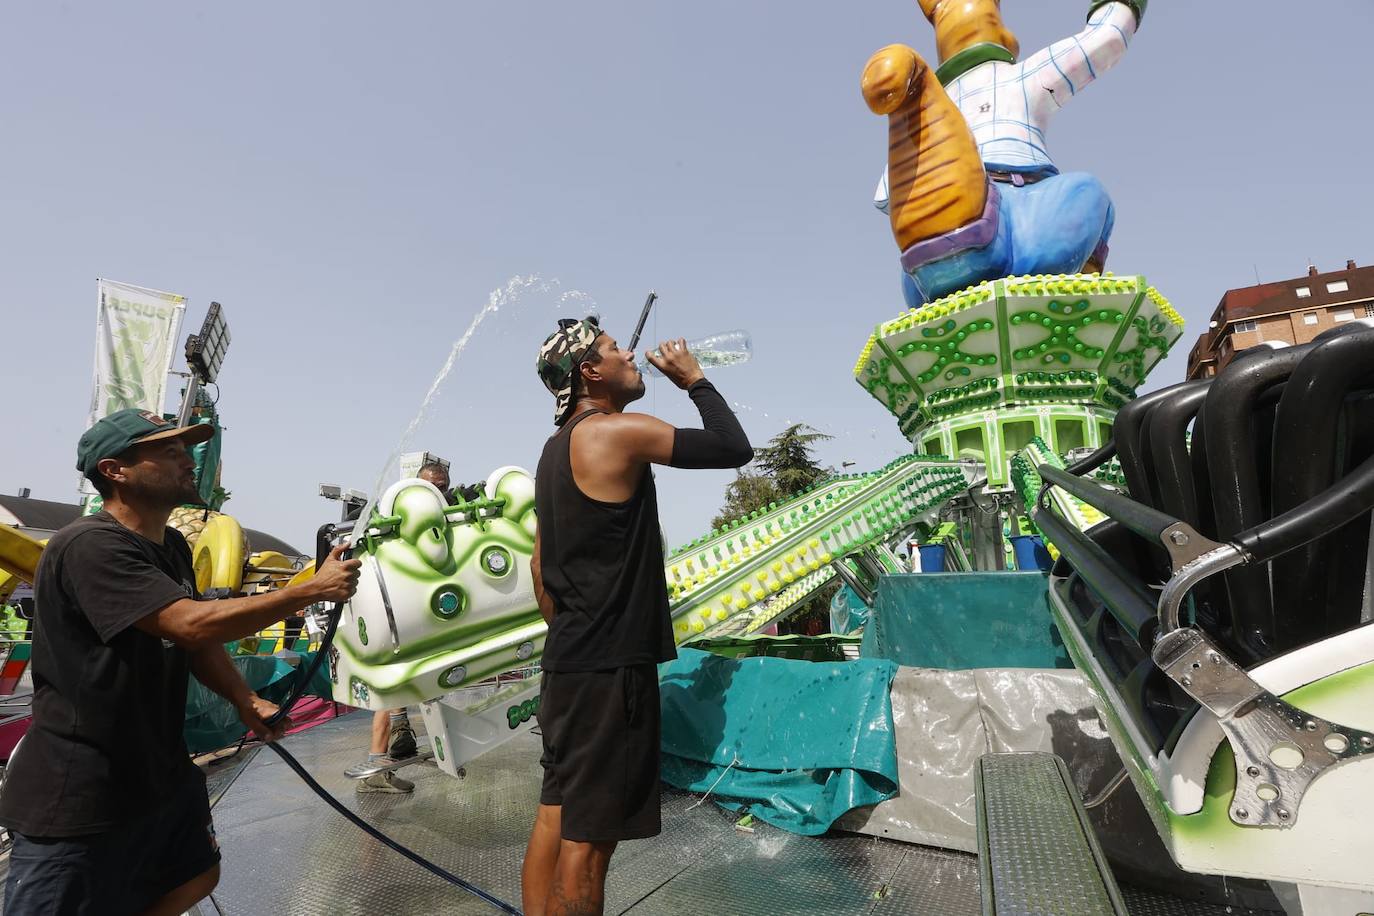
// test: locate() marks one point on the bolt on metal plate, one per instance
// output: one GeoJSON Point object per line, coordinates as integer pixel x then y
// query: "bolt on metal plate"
{"type": "Point", "coordinates": [1279, 749]}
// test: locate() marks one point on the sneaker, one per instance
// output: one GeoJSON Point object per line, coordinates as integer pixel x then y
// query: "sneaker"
{"type": "Point", "coordinates": [402, 744]}
{"type": "Point", "coordinates": [387, 782]}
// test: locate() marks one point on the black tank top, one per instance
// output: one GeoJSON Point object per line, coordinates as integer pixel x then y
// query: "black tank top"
{"type": "Point", "coordinates": [602, 565]}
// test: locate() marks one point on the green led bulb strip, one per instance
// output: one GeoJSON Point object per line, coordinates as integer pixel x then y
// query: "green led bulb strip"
{"type": "Point", "coordinates": [1026, 478]}
{"type": "Point", "coordinates": [776, 558]}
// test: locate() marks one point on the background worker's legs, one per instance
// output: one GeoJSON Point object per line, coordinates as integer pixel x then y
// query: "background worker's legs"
{"type": "Point", "coordinates": [381, 733]}
{"type": "Point", "coordinates": [392, 737]}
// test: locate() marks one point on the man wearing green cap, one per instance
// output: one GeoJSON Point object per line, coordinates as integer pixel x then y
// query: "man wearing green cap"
{"type": "Point", "coordinates": [598, 577]}
{"type": "Point", "coordinates": [107, 812]}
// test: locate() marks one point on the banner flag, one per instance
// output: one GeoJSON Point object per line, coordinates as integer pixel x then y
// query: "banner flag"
{"type": "Point", "coordinates": [135, 339]}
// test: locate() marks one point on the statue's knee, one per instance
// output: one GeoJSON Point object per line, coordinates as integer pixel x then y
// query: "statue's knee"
{"type": "Point", "coordinates": [1086, 197]}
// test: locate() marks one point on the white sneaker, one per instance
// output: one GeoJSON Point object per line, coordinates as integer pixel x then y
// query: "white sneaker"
{"type": "Point", "coordinates": [387, 782]}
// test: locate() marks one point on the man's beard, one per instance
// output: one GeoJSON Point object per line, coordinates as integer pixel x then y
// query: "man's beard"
{"type": "Point", "coordinates": [190, 494]}
{"type": "Point", "coordinates": [168, 493]}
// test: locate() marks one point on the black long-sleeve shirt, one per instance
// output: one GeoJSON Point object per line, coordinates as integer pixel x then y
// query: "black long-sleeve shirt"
{"type": "Point", "coordinates": [721, 443]}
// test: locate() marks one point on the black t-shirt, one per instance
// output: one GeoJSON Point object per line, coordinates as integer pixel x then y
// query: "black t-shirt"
{"type": "Point", "coordinates": [602, 564]}
{"type": "Point", "coordinates": [109, 700]}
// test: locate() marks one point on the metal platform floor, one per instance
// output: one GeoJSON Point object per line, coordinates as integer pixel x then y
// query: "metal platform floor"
{"type": "Point", "coordinates": [286, 852]}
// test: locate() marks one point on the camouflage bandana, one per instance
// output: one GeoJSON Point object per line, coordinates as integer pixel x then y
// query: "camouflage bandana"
{"type": "Point", "coordinates": [559, 358]}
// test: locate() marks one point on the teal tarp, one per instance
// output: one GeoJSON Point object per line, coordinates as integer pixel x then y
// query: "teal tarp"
{"type": "Point", "coordinates": [212, 723]}
{"type": "Point", "coordinates": [964, 620]}
{"type": "Point", "coordinates": [797, 743]}
{"type": "Point", "coordinates": [206, 456]}
{"type": "Point", "coordinates": [847, 611]}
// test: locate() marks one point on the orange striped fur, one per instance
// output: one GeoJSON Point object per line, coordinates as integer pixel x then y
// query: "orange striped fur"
{"type": "Point", "coordinates": [961, 24]}
{"type": "Point", "coordinates": [935, 179]}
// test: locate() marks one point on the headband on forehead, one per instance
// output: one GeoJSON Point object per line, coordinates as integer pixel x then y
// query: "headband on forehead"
{"type": "Point", "coordinates": [563, 351]}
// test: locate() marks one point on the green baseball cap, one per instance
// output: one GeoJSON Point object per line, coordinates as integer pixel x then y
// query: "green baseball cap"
{"type": "Point", "coordinates": [559, 358]}
{"type": "Point", "coordinates": [113, 435]}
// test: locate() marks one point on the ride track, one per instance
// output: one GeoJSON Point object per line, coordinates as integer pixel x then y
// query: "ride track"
{"type": "Point", "coordinates": [446, 599]}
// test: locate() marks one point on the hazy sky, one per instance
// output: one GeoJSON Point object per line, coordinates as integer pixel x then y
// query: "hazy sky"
{"type": "Point", "coordinates": [352, 180]}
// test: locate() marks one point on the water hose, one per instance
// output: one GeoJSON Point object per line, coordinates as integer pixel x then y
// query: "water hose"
{"type": "Point", "coordinates": [376, 834]}
{"type": "Point", "coordinates": [302, 682]}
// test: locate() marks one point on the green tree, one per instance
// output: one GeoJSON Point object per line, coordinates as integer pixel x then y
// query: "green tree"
{"type": "Point", "coordinates": [788, 462]}
{"type": "Point", "coordinates": [746, 493]}
{"type": "Point", "coordinates": [780, 470]}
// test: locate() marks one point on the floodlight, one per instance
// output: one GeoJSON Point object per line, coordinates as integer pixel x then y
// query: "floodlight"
{"type": "Point", "coordinates": [205, 351]}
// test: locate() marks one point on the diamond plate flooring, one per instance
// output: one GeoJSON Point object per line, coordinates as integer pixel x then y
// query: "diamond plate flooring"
{"type": "Point", "coordinates": [1024, 795]}
{"type": "Point", "coordinates": [285, 852]}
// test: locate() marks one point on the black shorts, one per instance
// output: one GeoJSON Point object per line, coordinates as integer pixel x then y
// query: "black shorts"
{"type": "Point", "coordinates": [601, 752]}
{"type": "Point", "coordinates": [123, 870]}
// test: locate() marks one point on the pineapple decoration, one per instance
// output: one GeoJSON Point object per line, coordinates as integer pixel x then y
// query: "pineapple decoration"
{"type": "Point", "coordinates": [191, 520]}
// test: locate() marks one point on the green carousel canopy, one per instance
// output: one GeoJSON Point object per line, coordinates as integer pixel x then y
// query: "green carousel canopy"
{"type": "Point", "coordinates": [1072, 339]}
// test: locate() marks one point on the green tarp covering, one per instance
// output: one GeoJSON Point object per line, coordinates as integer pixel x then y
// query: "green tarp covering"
{"type": "Point", "coordinates": [212, 723]}
{"type": "Point", "coordinates": [797, 743]}
{"type": "Point", "coordinates": [964, 620]}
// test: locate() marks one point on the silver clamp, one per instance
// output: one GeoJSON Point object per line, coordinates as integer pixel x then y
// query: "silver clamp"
{"type": "Point", "coordinates": [1184, 545]}
{"type": "Point", "coordinates": [1279, 749]}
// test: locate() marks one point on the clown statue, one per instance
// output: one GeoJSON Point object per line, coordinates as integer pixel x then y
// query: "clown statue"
{"type": "Point", "coordinates": [970, 187]}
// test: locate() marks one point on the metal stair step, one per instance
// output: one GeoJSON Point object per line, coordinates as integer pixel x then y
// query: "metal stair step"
{"type": "Point", "coordinates": [1037, 852]}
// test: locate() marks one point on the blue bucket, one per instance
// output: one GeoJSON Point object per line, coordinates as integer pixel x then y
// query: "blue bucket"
{"type": "Point", "coordinates": [932, 557]}
{"type": "Point", "coordinates": [1030, 552]}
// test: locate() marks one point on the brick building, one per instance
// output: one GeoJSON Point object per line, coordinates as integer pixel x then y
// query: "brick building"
{"type": "Point", "coordinates": [1289, 311]}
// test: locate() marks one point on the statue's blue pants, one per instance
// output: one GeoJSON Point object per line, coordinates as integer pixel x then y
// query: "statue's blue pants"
{"type": "Point", "coordinates": [1049, 227]}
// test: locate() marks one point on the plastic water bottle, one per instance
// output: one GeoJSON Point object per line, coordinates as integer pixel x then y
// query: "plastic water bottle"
{"type": "Point", "coordinates": [729, 348]}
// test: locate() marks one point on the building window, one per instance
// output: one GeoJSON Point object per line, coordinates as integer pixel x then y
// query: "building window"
{"type": "Point", "coordinates": [1344, 315]}
{"type": "Point", "coordinates": [1337, 286]}
{"type": "Point", "coordinates": [1309, 317]}
{"type": "Point", "coordinates": [1241, 326]}
{"type": "Point", "coordinates": [1304, 292]}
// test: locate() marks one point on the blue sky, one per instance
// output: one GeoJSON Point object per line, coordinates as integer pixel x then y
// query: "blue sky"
{"type": "Point", "coordinates": [352, 180]}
